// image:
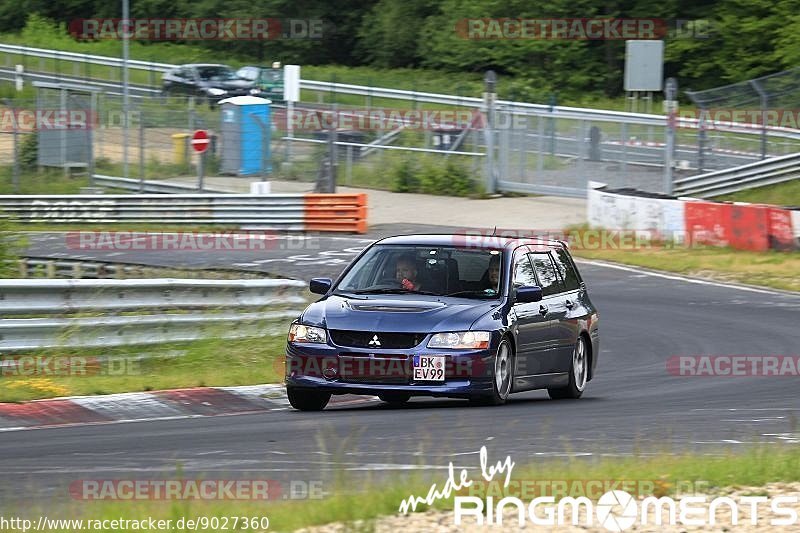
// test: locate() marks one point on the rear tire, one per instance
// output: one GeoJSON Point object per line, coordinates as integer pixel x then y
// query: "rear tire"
{"type": "Point", "coordinates": [395, 398]}
{"type": "Point", "coordinates": [307, 399]}
{"type": "Point", "coordinates": [503, 376]}
{"type": "Point", "coordinates": [578, 373]}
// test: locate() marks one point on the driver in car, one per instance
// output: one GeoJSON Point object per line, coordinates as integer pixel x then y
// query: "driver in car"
{"type": "Point", "coordinates": [406, 272]}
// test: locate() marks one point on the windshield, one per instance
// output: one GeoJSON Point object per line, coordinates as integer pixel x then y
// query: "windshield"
{"type": "Point", "coordinates": [436, 270]}
{"type": "Point", "coordinates": [216, 73]}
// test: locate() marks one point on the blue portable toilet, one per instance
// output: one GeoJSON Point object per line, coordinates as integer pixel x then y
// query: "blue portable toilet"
{"type": "Point", "coordinates": [245, 132]}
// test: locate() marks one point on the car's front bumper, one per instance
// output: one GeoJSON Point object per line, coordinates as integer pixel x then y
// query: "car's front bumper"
{"type": "Point", "coordinates": [341, 370]}
{"type": "Point", "coordinates": [452, 389]}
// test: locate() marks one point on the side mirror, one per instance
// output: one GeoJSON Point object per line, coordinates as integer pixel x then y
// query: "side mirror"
{"type": "Point", "coordinates": [320, 285]}
{"type": "Point", "coordinates": [529, 293]}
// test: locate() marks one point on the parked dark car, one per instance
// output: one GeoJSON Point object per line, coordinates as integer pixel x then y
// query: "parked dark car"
{"type": "Point", "coordinates": [211, 82]}
{"type": "Point", "coordinates": [268, 79]}
{"type": "Point", "coordinates": [446, 315]}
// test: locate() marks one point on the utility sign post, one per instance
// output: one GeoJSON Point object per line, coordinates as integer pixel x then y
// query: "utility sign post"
{"type": "Point", "coordinates": [671, 108]}
{"type": "Point", "coordinates": [200, 142]}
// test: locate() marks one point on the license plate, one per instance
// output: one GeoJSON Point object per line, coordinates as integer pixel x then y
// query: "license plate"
{"type": "Point", "coordinates": [429, 367]}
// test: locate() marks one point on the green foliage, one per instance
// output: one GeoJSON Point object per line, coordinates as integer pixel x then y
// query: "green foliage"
{"type": "Point", "coordinates": [28, 152]}
{"type": "Point", "coordinates": [11, 245]}
{"type": "Point", "coordinates": [787, 193]}
{"type": "Point", "coordinates": [405, 177]}
{"type": "Point", "coordinates": [736, 40]}
{"type": "Point", "coordinates": [429, 175]}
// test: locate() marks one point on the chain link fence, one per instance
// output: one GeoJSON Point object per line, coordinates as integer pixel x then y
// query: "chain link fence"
{"type": "Point", "coordinates": [403, 145]}
{"type": "Point", "coordinates": [766, 105]}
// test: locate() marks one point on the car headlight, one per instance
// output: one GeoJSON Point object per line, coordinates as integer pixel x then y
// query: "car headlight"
{"type": "Point", "coordinates": [255, 90]}
{"type": "Point", "coordinates": [213, 91]}
{"type": "Point", "coordinates": [457, 340]}
{"type": "Point", "coordinates": [301, 333]}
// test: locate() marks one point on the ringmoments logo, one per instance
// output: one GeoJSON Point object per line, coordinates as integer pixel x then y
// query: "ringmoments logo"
{"type": "Point", "coordinates": [615, 510]}
{"type": "Point", "coordinates": [618, 510]}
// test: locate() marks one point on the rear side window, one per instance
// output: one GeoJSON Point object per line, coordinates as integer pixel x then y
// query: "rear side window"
{"type": "Point", "coordinates": [566, 269]}
{"type": "Point", "coordinates": [546, 273]}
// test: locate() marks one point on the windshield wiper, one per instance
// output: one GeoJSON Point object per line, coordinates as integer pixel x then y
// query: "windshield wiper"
{"type": "Point", "coordinates": [398, 290]}
{"type": "Point", "coordinates": [473, 293]}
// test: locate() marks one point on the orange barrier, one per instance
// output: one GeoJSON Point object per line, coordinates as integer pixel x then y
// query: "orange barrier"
{"type": "Point", "coordinates": [757, 228]}
{"type": "Point", "coordinates": [707, 223]}
{"type": "Point", "coordinates": [780, 229]}
{"type": "Point", "coordinates": [750, 228]}
{"type": "Point", "coordinates": [336, 212]}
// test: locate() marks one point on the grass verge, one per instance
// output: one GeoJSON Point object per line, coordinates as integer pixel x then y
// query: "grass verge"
{"type": "Point", "coordinates": [777, 270]}
{"type": "Point", "coordinates": [359, 507]}
{"type": "Point", "coordinates": [213, 362]}
{"type": "Point", "coordinates": [787, 193]}
{"type": "Point", "coordinates": [46, 182]}
{"type": "Point", "coordinates": [772, 269]}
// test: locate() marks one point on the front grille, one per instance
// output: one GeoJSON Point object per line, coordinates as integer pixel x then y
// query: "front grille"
{"type": "Point", "coordinates": [388, 341]}
{"type": "Point", "coordinates": [382, 369]}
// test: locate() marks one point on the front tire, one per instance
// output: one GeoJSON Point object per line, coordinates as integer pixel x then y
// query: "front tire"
{"type": "Point", "coordinates": [503, 376]}
{"type": "Point", "coordinates": [307, 399]}
{"type": "Point", "coordinates": [578, 374]}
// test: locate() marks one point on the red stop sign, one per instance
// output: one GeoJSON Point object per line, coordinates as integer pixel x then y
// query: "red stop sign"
{"type": "Point", "coordinates": [200, 141]}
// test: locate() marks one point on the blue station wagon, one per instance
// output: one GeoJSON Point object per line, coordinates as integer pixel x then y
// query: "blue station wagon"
{"type": "Point", "coordinates": [446, 316]}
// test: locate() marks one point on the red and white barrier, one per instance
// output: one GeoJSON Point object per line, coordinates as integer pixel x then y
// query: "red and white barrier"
{"type": "Point", "coordinates": [742, 226]}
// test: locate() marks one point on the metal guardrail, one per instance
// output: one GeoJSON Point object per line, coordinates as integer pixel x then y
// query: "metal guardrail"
{"type": "Point", "coordinates": [293, 212]}
{"type": "Point", "coordinates": [521, 108]}
{"type": "Point", "coordinates": [148, 186]}
{"type": "Point", "coordinates": [156, 311]}
{"type": "Point", "coordinates": [75, 269]}
{"type": "Point", "coordinates": [49, 268]}
{"type": "Point", "coordinates": [759, 174]}
{"type": "Point", "coordinates": [107, 61]}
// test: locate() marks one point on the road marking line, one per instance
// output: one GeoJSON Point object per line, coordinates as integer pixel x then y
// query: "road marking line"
{"type": "Point", "coordinates": [678, 277]}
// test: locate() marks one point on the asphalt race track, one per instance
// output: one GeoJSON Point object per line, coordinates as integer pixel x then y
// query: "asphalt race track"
{"type": "Point", "coordinates": [633, 404]}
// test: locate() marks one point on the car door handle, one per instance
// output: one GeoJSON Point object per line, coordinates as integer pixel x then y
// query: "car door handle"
{"type": "Point", "coordinates": [569, 304]}
{"type": "Point", "coordinates": [542, 310]}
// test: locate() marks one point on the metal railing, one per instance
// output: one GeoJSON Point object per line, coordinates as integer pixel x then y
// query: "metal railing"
{"type": "Point", "coordinates": [759, 174]}
{"type": "Point", "coordinates": [75, 269]}
{"type": "Point", "coordinates": [289, 212]}
{"type": "Point", "coordinates": [520, 108]}
{"type": "Point", "coordinates": [530, 148]}
{"type": "Point", "coordinates": [51, 268]}
{"type": "Point", "coordinates": [147, 186]}
{"type": "Point", "coordinates": [286, 211]}
{"type": "Point", "coordinates": [142, 311]}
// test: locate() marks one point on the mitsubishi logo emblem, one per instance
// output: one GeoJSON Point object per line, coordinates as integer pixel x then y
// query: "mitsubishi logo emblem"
{"type": "Point", "coordinates": [374, 341]}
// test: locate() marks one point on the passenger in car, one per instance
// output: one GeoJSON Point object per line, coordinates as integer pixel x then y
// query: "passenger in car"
{"type": "Point", "coordinates": [494, 273]}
